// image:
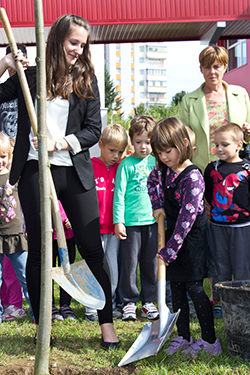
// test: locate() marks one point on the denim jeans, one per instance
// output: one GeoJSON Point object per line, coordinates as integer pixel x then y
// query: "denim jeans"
{"type": "Point", "coordinates": [18, 261]}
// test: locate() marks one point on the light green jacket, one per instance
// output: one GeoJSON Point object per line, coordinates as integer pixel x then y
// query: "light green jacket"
{"type": "Point", "coordinates": [193, 113]}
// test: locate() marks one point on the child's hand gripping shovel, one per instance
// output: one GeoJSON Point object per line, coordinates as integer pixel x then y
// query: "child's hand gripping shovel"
{"type": "Point", "coordinates": [76, 279]}
{"type": "Point", "coordinates": [155, 334]}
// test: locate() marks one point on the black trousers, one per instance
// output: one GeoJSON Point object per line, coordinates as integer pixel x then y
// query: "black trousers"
{"type": "Point", "coordinates": [202, 306]}
{"type": "Point", "coordinates": [82, 210]}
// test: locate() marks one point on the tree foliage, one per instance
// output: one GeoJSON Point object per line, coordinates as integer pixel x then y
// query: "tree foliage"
{"type": "Point", "coordinates": [177, 98]}
{"type": "Point", "coordinates": [112, 98]}
{"type": "Point", "coordinates": [157, 111]}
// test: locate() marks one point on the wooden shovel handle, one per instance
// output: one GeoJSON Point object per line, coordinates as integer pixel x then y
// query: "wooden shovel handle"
{"type": "Point", "coordinates": [161, 244]}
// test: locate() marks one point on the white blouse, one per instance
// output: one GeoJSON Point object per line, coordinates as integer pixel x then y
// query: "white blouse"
{"type": "Point", "coordinates": [57, 118]}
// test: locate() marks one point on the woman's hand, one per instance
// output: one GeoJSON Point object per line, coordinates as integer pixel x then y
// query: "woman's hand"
{"type": "Point", "coordinates": [120, 231]}
{"type": "Point", "coordinates": [10, 62]}
{"type": "Point", "coordinates": [157, 213]}
{"type": "Point", "coordinates": [7, 62]}
{"type": "Point", "coordinates": [51, 144]}
{"type": "Point", "coordinates": [246, 131]}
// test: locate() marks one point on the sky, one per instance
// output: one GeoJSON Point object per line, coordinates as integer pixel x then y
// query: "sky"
{"type": "Point", "coordinates": [183, 70]}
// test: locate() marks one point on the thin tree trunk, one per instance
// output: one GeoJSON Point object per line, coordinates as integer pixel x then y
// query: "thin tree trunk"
{"type": "Point", "coordinates": [43, 342]}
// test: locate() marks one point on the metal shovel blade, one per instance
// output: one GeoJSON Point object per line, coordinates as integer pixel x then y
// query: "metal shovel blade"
{"type": "Point", "coordinates": [150, 341]}
{"type": "Point", "coordinates": [81, 284]}
{"type": "Point", "coordinates": [155, 334]}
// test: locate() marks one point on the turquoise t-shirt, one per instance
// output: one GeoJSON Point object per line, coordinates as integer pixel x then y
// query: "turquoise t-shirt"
{"type": "Point", "coordinates": [132, 205]}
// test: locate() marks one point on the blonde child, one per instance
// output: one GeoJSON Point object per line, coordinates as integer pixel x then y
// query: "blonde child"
{"type": "Point", "coordinates": [135, 225]}
{"type": "Point", "coordinates": [13, 243]}
{"type": "Point", "coordinates": [112, 145]}
{"type": "Point", "coordinates": [185, 251]}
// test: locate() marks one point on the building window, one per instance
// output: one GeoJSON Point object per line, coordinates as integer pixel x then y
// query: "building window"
{"type": "Point", "coordinates": [237, 53]}
{"type": "Point", "coordinates": [141, 49]}
{"type": "Point", "coordinates": [141, 83]}
{"type": "Point", "coordinates": [157, 49]}
{"type": "Point", "coordinates": [142, 71]}
{"type": "Point", "coordinates": [158, 72]}
{"type": "Point", "coordinates": [141, 59]}
{"type": "Point", "coordinates": [156, 61]}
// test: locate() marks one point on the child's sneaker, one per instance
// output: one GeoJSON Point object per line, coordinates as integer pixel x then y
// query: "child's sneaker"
{"type": "Point", "coordinates": [217, 311]}
{"type": "Point", "coordinates": [212, 349]}
{"type": "Point", "coordinates": [67, 312]}
{"type": "Point", "coordinates": [91, 317]}
{"type": "Point", "coordinates": [56, 314]}
{"type": "Point", "coordinates": [11, 313]}
{"type": "Point", "coordinates": [149, 311]}
{"type": "Point", "coordinates": [178, 343]}
{"type": "Point", "coordinates": [129, 311]}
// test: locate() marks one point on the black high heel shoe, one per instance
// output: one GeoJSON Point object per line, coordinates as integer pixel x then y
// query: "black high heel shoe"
{"type": "Point", "coordinates": [110, 345]}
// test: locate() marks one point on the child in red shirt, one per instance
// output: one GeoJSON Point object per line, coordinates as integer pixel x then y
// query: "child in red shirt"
{"type": "Point", "coordinates": [112, 145]}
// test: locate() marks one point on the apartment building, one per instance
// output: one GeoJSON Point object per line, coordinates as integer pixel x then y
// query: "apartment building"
{"type": "Point", "coordinates": [139, 73]}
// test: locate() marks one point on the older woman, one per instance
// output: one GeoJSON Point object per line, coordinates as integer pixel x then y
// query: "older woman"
{"type": "Point", "coordinates": [214, 103]}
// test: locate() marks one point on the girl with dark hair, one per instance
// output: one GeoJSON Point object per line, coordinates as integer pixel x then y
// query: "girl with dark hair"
{"type": "Point", "coordinates": [74, 125]}
{"type": "Point", "coordinates": [185, 253]}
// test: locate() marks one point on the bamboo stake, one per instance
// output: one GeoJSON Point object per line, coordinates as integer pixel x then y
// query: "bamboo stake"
{"type": "Point", "coordinates": [55, 206]}
{"type": "Point", "coordinates": [44, 330]}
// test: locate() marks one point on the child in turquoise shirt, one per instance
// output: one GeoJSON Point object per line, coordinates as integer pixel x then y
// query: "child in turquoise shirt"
{"type": "Point", "coordinates": [135, 225]}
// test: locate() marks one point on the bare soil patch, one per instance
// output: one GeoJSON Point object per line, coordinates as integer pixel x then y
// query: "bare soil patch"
{"type": "Point", "coordinates": [26, 367]}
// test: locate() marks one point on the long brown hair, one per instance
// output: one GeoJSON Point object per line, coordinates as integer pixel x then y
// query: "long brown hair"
{"type": "Point", "coordinates": [62, 79]}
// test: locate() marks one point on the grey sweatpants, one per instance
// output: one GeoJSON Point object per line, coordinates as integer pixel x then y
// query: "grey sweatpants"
{"type": "Point", "coordinates": [139, 248]}
{"type": "Point", "coordinates": [230, 248]}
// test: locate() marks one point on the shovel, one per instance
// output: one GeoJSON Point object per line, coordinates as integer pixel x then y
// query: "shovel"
{"type": "Point", "coordinates": [154, 335]}
{"type": "Point", "coordinates": [76, 279]}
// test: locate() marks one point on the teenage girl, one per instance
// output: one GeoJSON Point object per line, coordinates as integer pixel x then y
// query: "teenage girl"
{"type": "Point", "coordinates": [74, 125]}
{"type": "Point", "coordinates": [185, 252]}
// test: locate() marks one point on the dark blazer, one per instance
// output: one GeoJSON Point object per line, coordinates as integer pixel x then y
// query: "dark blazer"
{"type": "Point", "coordinates": [84, 121]}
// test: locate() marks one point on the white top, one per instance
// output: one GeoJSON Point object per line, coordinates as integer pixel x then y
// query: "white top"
{"type": "Point", "coordinates": [57, 118]}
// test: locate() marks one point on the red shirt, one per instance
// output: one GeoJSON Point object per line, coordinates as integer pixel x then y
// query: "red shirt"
{"type": "Point", "coordinates": [105, 183]}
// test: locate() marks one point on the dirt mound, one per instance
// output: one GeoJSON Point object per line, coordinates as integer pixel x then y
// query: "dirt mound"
{"type": "Point", "coordinates": [28, 369]}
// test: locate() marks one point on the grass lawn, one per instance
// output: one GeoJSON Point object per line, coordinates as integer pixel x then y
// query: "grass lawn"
{"type": "Point", "coordinates": [76, 350]}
